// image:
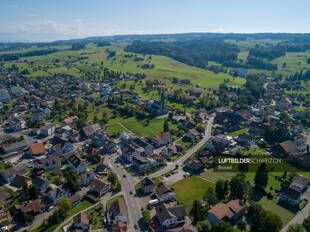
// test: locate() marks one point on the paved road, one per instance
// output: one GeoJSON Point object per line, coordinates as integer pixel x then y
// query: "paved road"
{"type": "Point", "coordinates": [37, 221]}
{"type": "Point", "coordinates": [128, 185]}
{"type": "Point", "coordinates": [103, 200]}
{"type": "Point", "coordinates": [180, 161]}
{"type": "Point", "coordinates": [44, 216]}
{"type": "Point", "coordinates": [302, 214]}
{"type": "Point", "coordinates": [299, 217]}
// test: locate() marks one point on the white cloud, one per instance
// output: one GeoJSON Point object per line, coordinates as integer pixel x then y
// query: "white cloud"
{"type": "Point", "coordinates": [219, 30]}
{"type": "Point", "coordinates": [48, 30]}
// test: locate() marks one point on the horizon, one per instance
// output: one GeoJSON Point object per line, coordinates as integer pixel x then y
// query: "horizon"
{"type": "Point", "coordinates": [152, 34]}
{"type": "Point", "coordinates": [37, 21]}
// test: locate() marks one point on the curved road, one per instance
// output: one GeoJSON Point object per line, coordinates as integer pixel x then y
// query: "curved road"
{"type": "Point", "coordinates": [128, 182]}
{"type": "Point", "coordinates": [103, 201]}
{"type": "Point", "coordinates": [180, 161]}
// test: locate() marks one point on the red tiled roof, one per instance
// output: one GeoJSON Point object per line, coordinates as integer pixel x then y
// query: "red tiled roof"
{"type": "Point", "coordinates": [37, 148]}
{"type": "Point", "coordinates": [229, 210]}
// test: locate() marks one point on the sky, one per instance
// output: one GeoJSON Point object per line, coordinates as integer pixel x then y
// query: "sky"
{"type": "Point", "coordinates": [49, 20]}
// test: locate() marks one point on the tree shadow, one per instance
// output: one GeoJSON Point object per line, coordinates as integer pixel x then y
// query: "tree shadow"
{"type": "Point", "coordinates": [256, 195]}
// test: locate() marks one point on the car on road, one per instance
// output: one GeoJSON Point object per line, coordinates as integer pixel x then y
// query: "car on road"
{"type": "Point", "coordinates": [124, 175]}
{"type": "Point", "coordinates": [175, 171]}
{"type": "Point", "coordinates": [130, 192]}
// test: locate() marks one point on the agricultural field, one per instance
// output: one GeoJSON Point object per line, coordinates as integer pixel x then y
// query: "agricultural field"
{"type": "Point", "coordinates": [165, 68]}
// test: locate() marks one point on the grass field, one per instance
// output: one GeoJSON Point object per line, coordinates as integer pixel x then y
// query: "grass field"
{"type": "Point", "coordinates": [190, 189]}
{"type": "Point", "coordinates": [239, 132]}
{"type": "Point", "coordinates": [141, 128]}
{"type": "Point", "coordinates": [165, 68]}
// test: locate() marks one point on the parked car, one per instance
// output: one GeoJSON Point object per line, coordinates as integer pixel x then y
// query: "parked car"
{"type": "Point", "coordinates": [186, 174]}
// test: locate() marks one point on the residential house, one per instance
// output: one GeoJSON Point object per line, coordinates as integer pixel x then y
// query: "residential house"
{"type": "Point", "coordinates": [230, 212]}
{"type": "Point", "coordinates": [33, 207]}
{"type": "Point", "coordinates": [87, 177]}
{"type": "Point", "coordinates": [136, 146]}
{"type": "Point", "coordinates": [62, 147]}
{"type": "Point", "coordinates": [293, 193]}
{"type": "Point", "coordinates": [77, 164]}
{"type": "Point", "coordinates": [143, 164]}
{"type": "Point", "coordinates": [164, 193]}
{"type": "Point", "coordinates": [40, 183]}
{"type": "Point", "coordinates": [37, 149]}
{"type": "Point", "coordinates": [90, 130]}
{"type": "Point", "coordinates": [171, 216]}
{"type": "Point", "coordinates": [141, 143]}
{"type": "Point", "coordinates": [19, 181]}
{"type": "Point", "coordinates": [4, 96]}
{"type": "Point", "coordinates": [147, 185]}
{"type": "Point", "coordinates": [258, 128]}
{"type": "Point", "coordinates": [290, 149]}
{"type": "Point", "coordinates": [100, 187]}
{"type": "Point", "coordinates": [9, 174]}
{"type": "Point", "coordinates": [299, 183]}
{"type": "Point", "coordinates": [37, 117]}
{"type": "Point", "coordinates": [228, 119]}
{"type": "Point", "coordinates": [75, 199]}
{"type": "Point", "coordinates": [118, 211]}
{"type": "Point", "coordinates": [51, 162]}
{"type": "Point", "coordinates": [14, 147]}
{"type": "Point", "coordinates": [47, 130]}
{"type": "Point", "coordinates": [119, 227]}
{"type": "Point", "coordinates": [108, 146]}
{"type": "Point", "coordinates": [245, 140]}
{"type": "Point", "coordinates": [63, 132]}
{"type": "Point", "coordinates": [192, 134]}
{"type": "Point", "coordinates": [70, 120]}
{"type": "Point", "coordinates": [81, 221]}
{"type": "Point", "coordinates": [102, 166]}
{"type": "Point", "coordinates": [17, 124]}
{"type": "Point", "coordinates": [194, 165]}
{"type": "Point", "coordinates": [290, 196]}
{"type": "Point", "coordinates": [162, 139]}
{"type": "Point", "coordinates": [56, 193]}
{"type": "Point", "coordinates": [169, 150]}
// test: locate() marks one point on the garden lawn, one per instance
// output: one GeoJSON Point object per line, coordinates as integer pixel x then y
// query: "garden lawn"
{"type": "Point", "coordinates": [272, 206]}
{"type": "Point", "coordinates": [141, 128]}
{"type": "Point", "coordinates": [114, 199]}
{"type": "Point", "coordinates": [190, 189]}
{"type": "Point", "coordinates": [213, 176]}
{"type": "Point", "coordinates": [239, 132]}
{"type": "Point", "coordinates": [79, 207]}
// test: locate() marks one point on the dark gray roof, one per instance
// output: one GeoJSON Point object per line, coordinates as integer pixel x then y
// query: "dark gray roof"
{"type": "Point", "coordinates": [118, 207]}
